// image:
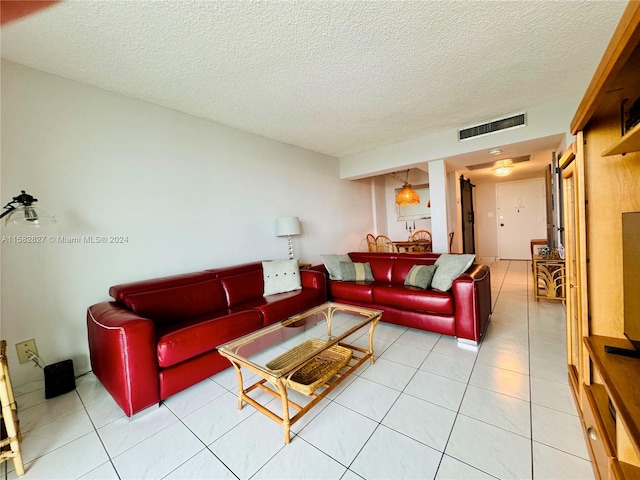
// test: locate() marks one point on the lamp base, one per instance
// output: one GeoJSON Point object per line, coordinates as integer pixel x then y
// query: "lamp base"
{"type": "Point", "coordinates": [290, 248]}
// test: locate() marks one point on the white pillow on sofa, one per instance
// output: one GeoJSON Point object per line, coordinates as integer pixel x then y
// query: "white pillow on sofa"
{"type": "Point", "coordinates": [450, 267]}
{"type": "Point", "coordinates": [281, 276]}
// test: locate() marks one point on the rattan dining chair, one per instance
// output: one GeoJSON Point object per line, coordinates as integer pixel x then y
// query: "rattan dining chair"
{"type": "Point", "coordinates": [422, 236]}
{"type": "Point", "coordinates": [371, 243]}
{"type": "Point", "coordinates": [384, 244]}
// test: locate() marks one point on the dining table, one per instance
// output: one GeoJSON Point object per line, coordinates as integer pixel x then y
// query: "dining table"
{"type": "Point", "coordinates": [412, 246]}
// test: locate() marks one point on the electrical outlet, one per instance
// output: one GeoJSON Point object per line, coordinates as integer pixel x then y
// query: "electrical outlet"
{"type": "Point", "coordinates": [23, 349]}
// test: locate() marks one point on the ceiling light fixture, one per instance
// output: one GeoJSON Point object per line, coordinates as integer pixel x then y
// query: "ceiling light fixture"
{"type": "Point", "coordinates": [406, 196]}
{"type": "Point", "coordinates": [503, 170]}
{"type": "Point", "coordinates": [495, 151]}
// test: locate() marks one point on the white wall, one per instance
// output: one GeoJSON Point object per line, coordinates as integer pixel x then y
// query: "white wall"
{"type": "Point", "coordinates": [187, 194]}
{"type": "Point", "coordinates": [439, 205]}
{"type": "Point", "coordinates": [484, 196]}
{"type": "Point", "coordinates": [379, 202]}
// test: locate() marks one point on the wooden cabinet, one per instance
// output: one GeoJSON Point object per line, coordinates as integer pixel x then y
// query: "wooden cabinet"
{"type": "Point", "coordinates": [601, 180]}
{"type": "Point", "coordinates": [575, 261]}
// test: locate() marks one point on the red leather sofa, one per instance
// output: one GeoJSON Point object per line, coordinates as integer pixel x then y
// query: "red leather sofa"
{"type": "Point", "coordinates": [159, 336]}
{"type": "Point", "coordinates": [463, 311]}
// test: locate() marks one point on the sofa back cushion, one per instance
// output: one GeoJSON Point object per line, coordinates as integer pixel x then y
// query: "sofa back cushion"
{"type": "Point", "coordinates": [244, 286]}
{"type": "Point", "coordinates": [402, 266]}
{"type": "Point", "coordinates": [176, 304]}
{"type": "Point", "coordinates": [381, 263]}
{"type": "Point", "coordinates": [120, 292]}
{"type": "Point", "coordinates": [393, 268]}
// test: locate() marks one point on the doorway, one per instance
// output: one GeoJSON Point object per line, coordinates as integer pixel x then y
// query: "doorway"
{"type": "Point", "coordinates": [521, 217]}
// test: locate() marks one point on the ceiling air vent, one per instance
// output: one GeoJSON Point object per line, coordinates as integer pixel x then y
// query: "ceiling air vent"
{"type": "Point", "coordinates": [514, 121]}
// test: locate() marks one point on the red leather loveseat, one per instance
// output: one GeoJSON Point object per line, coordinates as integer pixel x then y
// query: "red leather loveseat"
{"type": "Point", "coordinates": [463, 311]}
{"type": "Point", "coordinates": [159, 336]}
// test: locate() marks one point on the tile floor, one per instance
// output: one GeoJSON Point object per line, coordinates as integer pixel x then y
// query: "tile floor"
{"type": "Point", "coordinates": [426, 409]}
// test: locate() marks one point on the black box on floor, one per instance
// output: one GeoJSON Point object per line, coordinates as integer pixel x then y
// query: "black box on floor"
{"type": "Point", "coordinates": [59, 378]}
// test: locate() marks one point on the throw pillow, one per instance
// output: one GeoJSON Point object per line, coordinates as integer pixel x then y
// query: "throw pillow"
{"type": "Point", "coordinates": [281, 276]}
{"type": "Point", "coordinates": [450, 266]}
{"type": "Point", "coordinates": [332, 264]}
{"type": "Point", "coordinates": [356, 272]}
{"type": "Point", "coordinates": [420, 276]}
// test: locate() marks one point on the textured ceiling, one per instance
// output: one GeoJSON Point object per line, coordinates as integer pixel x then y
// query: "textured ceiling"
{"type": "Point", "coordinates": [337, 77]}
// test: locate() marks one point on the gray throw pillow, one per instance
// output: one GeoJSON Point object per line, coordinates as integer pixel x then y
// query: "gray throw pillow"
{"type": "Point", "coordinates": [450, 266]}
{"type": "Point", "coordinates": [332, 264]}
{"type": "Point", "coordinates": [356, 272]}
{"type": "Point", "coordinates": [420, 276]}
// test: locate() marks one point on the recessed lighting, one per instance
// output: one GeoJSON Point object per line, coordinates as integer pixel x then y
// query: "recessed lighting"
{"type": "Point", "coordinates": [495, 151]}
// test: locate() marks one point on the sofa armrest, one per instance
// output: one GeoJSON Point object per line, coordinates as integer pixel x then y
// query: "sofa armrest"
{"type": "Point", "coordinates": [123, 352]}
{"type": "Point", "coordinates": [472, 298]}
{"type": "Point", "coordinates": [314, 279]}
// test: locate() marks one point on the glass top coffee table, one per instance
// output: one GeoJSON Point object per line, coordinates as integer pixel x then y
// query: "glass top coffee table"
{"type": "Point", "coordinates": [306, 353]}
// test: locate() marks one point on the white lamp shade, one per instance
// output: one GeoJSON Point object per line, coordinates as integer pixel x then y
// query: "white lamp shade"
{"type": "Point", "coordinates": [286, 226]}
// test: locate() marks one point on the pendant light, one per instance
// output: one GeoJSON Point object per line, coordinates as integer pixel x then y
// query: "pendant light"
{"type": "Point", "coordinates": [406, 196]}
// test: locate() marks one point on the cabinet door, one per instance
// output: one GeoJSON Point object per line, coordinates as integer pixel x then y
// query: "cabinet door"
{"type": "Point", "coordinates": [575, 261]}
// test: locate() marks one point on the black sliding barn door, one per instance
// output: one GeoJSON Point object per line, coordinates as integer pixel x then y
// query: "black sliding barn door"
{"type": "Point", "coordinates": [468, 217]}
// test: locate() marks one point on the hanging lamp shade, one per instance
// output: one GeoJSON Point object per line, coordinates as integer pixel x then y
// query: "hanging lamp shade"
{"type": "Point", "coordinates": [407, 196]}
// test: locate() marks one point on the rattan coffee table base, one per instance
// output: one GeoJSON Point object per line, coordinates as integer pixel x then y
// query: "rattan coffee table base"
{"type": "Point", "coordinates": [314, 367]}
{"type": "Point", "coordinates": [359, 356]}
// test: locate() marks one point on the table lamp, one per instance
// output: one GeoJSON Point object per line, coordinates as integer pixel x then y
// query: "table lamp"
{"type": "Point", "coordinates": [286, 227]}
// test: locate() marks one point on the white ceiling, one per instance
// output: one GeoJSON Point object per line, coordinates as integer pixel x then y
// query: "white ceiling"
{"type": "Point", "coordinates": [337, 77]}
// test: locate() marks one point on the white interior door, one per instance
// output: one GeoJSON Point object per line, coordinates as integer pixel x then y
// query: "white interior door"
{"type": "Point", "coordinates": [521, 217]}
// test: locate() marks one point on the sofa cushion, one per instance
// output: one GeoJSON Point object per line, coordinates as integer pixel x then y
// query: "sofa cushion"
{"type": "Point", "coordinates": [243, 287]}
{"type": "Point", "coordinates": [381, 263]}
{"type": "Point", "coordinates": [180, 342]}
{"type": "Point", "coordinates": [402, 267]}
{"type": "Point", "coordinates": [281, 276]}
{"type": "Point", "coordinates": [359, 292]}
{"type": "Point", "coordinates": [356, 272]}
{"type": "Point", "coordinates": [332, 264]}
{"type": "Point", "coordinates": [280, 306]}
{"type": "Point", "coordinates": [413, 298]}
{"type": "Point", "coordinates": [420, 276]}
{"type": "Point", "coordinates": [120, 292]}
{"type": "Point", "coordinates": [450, 266]}
{"type": "Point", "coordinates": [176, 304]}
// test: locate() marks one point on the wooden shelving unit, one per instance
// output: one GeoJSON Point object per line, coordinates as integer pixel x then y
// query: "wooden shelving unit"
{"type": "Point", "coordinates": [601, 180]}
{"type": "Point", "coordinates": [615, 404]}
{"type": "Point", "coordinates": [630, 142]}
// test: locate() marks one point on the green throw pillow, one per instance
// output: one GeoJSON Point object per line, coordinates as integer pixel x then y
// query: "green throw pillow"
{"type": "Point", "coordinates": [356, 272]}
{"type": "Point", "coordinates": [332, 264]}
{"type": "Point", "coordinates": [450, 266]}
{"type": "Point", "coordinates": [420, 276]}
